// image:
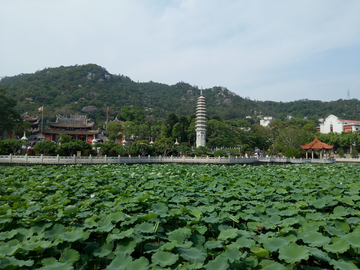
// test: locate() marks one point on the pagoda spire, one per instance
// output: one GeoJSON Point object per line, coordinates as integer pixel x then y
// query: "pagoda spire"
{"type": "Point", "coordinates": [200, 127]}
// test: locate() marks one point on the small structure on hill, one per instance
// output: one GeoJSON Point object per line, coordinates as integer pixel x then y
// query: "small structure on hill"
{"type": "Point", "coordinates": [316, 145]}
{"type": "Point", "coordinates": [77, 126]}
{"type": "Point", "coordinates": [201, 121]}
{"type": "Point", "coordinates": [34, 122]}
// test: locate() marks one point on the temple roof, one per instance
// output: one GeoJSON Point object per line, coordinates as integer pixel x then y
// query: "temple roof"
{"type": "Point", "coordinates": [26, 117]}
{"type": "Point", "coordinates": [77, 121]}
{"type": "Point", "coordinates": [316, 145]}
{"type": "Point", "coordinates": [71, 132]}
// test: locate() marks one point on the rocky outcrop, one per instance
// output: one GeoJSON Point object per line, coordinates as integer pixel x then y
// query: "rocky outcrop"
{"type": "Point", "coordinates": [91, 109]}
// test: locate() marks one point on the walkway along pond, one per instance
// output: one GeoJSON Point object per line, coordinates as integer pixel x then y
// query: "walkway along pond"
{"type": "Point", "coordinates": [67, 160]}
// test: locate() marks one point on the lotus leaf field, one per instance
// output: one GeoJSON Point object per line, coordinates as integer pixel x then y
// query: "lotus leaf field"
{"type": "Point", "coordinates": [180, 217]}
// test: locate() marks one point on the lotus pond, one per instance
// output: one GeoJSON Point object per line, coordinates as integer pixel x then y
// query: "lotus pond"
{"type": "Point", "coordinates": [180, 217]}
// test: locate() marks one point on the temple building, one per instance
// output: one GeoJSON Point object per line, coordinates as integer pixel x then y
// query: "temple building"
{"type": "Point", "coordinates": [34, 122]}
{"type": "Point", "coordinates": [78, 127]}
{"type": "Point", "coordinates": [200, 127]}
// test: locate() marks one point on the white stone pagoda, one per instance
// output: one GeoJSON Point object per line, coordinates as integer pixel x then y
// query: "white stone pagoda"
{"type": "Point", "coordinates": [200, 127]}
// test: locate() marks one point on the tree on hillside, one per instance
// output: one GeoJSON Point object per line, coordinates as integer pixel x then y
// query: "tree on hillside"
{"type": "Point", "coordinates": [113, 129]}
{"type": "Point", "coordinates": [8, 114]}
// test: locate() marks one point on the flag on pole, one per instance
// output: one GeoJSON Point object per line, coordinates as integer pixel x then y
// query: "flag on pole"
{"type": "Point", "coordinates": [41, 109]}
{"type": "Point", "coordinates": [107, 112]}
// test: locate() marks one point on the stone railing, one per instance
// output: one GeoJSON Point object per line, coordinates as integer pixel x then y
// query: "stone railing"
{"type": "Point", "coordinates": [63, 160]}
{"type": "Point", "coordinates": [271, 160]}
{"type": "Point", "coordinates": [348, 160]}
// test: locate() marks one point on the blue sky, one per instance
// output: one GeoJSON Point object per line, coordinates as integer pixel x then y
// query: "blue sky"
{"type": "Point", "coordinates": [277, 50]}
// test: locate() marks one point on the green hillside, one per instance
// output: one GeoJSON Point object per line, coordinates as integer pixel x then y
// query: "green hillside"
{"type": "Point", "coordinates": [90, 89]}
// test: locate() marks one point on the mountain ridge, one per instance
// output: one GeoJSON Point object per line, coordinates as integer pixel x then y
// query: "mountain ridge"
{"type": "Point", "coordinates": [70, 89]}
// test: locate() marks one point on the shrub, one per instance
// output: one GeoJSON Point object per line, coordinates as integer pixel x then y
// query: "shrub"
{"type": "Point", "coordinates": [340, 152]}
{"type": "Point", "coordinates": [45, 148]}
{"type": "Point", "coordinates": [220, 153]}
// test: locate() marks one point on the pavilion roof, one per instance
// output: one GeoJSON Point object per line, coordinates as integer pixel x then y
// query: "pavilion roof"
{"type": "Point", "coordinates": [316, 145]}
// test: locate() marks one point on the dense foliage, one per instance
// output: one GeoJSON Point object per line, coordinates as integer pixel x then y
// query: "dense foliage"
{"type": "Point", "coordinates": [70, 89]}
{"type": "Point", "coordinates": [180, 217]}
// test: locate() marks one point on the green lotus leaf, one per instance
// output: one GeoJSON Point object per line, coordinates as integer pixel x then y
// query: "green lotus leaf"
{"type": "Point", "coordinates": [271, 265]}
{"type": "Point", "coordinates": [126, 245]}
{"type": "Point", "coordinates": [104, 226]}
{"type": "Point", "coordinates": [348, 201]}
{"type": "Point", "coordinates": [69, 256]}
{"type": "Point", "coordinates": [230, 233]}
{"type": "Point", "coordinates": [260, 252]}
{"type": "Point", "coordinates": [342, 225]}
{"type": "Point", "coordinates": [352, 238]}
{"type": "Point", "coordinates": [334, 231]}
{"type": "Point", "coordinates": [70, 209]}
{"type": "Point", "coordinates": [353, 220]}
{"type": "Point", "coordinates": [251, 261]}
{"type": "Point", "coordinates": [180, 235]}
{"type": "Point", "coordinates": [115, 236]}
{"type": "Point", "coordinates": [338, 245]}
{"type": "Point", "coordinates": [120, 262]}
{"type": "Point", "coordinates": [232, 253]}
{"type": "Point", "coordinates": [103, 251]}
{"type": "Point", "coordinates": [213, 218]}
{"type": "Point", "coordinates": [273, 244]}
{"type": "Point", "coordinates": [169, 246]}
{"type": "Point", "coordinates": [58, 266]}
{"type": "Point", "coordinates": [272, 211]}
{"type": "Point", "coordinates": [145, 227]}
{"type": "Point", "coordinates": [253, 226]}
{"type": "Point", "coordinates": [320, 203]}
{"type": "Point", "coordinates": [340, 211]}
{"type": "Point", "coordinates": [196, 213]}
{"type": "Point", "coordinates": [77, 234]}
{"type": "Point", "coordinates": [293, 253]}
{"type": "Point", "coordinates": [343, 265]}
{"type": "Point", "coordinates": [149, 216]}
{"type": "Point", "coordinates": [289, 212]}
{"type": "Point", "coordinates": [289, 221]}
{"type": "Point", "coordinates": [192, 255]}
{"type": "Point", "coordinates": [219, 263]}
{"type": "Point", "coordinates": [160, 208]}
{"type": "Point", "coordinates": [175, 212]}
{"type": "Point", "coordinates": [56, 230]}
{"type": "Point", "coordinates": [245, 242]}
{"type": "Point", "coordinates": [164, 258]}
{"type": "Point", "coordinates": [12, 261]}
{"type": "Point", "coordinates": [115, 217]}
{"type": "Point", "coordinates": [36, 246]}
{"type": "Point", "coordinates": [314, 239]}
{"type": "Point", "coordinates": [8, 235]}
{"type": "Point", "coordinates": [213, 244]}
{"type": "Point", "coordinates": [275, 219]}
{"type": "Point", "coordinates": [140, 264]}
{"type": "Point", "coordinates": [319, 254]}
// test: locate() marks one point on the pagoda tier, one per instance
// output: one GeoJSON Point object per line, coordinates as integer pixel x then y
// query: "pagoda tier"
{"type": "Point", "coordinates": [200, 124]}
{"type": "Point", "coordinates": [34, 122]}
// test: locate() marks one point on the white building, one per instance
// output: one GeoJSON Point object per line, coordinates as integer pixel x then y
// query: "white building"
{"type": "Point", "coordinates": [333, 124]}
{"type": "Point", "coordinates": [266, 121]}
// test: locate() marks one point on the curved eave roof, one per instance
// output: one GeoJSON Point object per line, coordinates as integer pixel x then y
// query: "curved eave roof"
{"type": "Point", "coordinates": [316, 145]}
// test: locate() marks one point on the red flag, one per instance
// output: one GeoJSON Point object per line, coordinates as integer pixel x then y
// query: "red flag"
{"type": "Point", "coordinates": [107, 112]}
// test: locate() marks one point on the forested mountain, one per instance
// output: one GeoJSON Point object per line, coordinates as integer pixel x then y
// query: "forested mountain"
{"type": "Point", "coordinates": [90, 89]}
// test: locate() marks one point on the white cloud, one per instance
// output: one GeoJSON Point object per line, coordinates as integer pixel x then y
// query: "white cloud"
{"type": "Point", "coordinates": [246, 46]}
